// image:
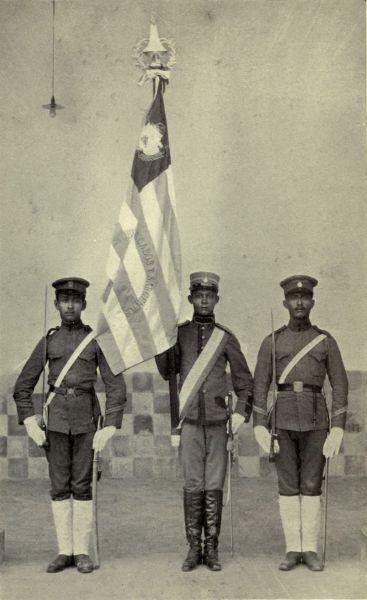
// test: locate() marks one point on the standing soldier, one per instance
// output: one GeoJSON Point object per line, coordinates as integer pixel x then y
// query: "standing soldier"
{"type": "Point", "coordinates": [201, 354]}
{"type": "Point", "coordinates": [72, 417]}
{"type": "Point", "coordinates": [300, 421]}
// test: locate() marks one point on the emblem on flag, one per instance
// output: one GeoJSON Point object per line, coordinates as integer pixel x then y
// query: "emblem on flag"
{"type": "Point", "coordinates": [150, 142]}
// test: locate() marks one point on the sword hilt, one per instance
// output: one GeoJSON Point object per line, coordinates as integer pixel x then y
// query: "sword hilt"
{"type": "Point", "coordinates": [273, 453]}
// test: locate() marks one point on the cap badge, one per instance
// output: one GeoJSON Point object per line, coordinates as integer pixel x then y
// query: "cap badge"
{"type": "Point", "coordinates": [299, 284]}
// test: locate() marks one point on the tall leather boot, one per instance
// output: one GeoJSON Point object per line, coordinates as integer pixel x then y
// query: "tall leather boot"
{"type": "Point", "coordinates": [193, 511]}
{"type": "Point", "coordinates": [212, 521]}
{"type": "Point", "coordinates": [310, 515]}
{"type": "Point", "coordinates": [290, 514]}
{"type": "Point", "coordinates": [62, 514]}
{"type": "Point", "coordinates": [82, 529]}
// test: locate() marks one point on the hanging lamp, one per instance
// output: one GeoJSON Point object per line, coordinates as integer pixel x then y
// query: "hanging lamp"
{"type": "Point", "coordinates": [52, 107]}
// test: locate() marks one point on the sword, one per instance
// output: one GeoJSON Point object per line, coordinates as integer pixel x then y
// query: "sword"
{"type": "Point", "coordinates": [230, 460]}
{"type": "Point", "coordinates": [97, 473]}
{"type": "Point", "coordinates": [326, 479]}
{"type": "Point", "coordinates": [41, 421]}
{"type": "Point", "coordinates": [273, 452]}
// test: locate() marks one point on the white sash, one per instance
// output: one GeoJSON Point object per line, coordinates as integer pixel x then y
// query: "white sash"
{"type": "Point", "coordinates": [67, 366]}
{"type": "Point", "coordinates": [300, 355]}
{"type": "Point", "coordinates": [202, 364]}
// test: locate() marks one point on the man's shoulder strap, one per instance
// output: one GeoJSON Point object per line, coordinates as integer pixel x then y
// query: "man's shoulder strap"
{"type": "Point", "coordinates": [282, 328]}
{"type": "Point", "coordinates": [183, 323]}
{"type": "Point", "coordinates": [322, 331]}
{"type": "Point", "coordinates": [226, 329]}
{"type": "Point", "coordinates": [52, 331]}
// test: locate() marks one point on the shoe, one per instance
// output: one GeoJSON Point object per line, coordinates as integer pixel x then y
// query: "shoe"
{"type": "Point", "coordinates": [213, 501]}
{"type": "Point", "coordinates": [193, 559]}
{"type": "Point", "coordinates": [291, 560]}
{"type": "Point", "coordinates": [193, 511]}
{"type": "Point", "coordinates": [61, 562]}
{"type": "Point", "coordinates": [83, 563]}
{"type": "Point", "coordinates": [312, 561]}
{"type": "Point", "coordinates": [210, 559]}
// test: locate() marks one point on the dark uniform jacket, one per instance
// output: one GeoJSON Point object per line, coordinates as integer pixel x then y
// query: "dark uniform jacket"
{"type": "Point", "coordinates": [209, 406]}
{"type": "Point", "coordinates": [306, 410]}
{"type": "Point", "coordinates": [76, 409]}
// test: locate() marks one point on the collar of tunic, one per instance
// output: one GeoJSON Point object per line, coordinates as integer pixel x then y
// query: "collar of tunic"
{"type": "Point", "coordinates": [299, 326]}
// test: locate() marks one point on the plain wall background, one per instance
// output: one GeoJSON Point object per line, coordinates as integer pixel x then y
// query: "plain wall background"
{"type": "Point", "coordinates": [266, 117]}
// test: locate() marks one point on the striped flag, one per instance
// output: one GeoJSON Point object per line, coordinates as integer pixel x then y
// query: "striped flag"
{"type": "Point", "coordinates": [142, 299]}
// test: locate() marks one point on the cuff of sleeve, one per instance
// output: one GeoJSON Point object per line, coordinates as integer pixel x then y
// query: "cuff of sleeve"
{"type": "Point", "coordinates": [258, 418]}
{"type": "Point", "coordinates": [24, 414]}
{"type": "Point", "coordinates": [114, 418]}
{"type": "Point", "coordinates": [244, 406]}
{"type": "Point", "coordinates": [339, 421]}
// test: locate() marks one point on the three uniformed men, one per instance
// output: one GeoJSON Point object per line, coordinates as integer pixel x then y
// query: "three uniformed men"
{"type": "Point", "coordinates": [72, 420]}
{"type": "Point", "coordinates": [304, 354]}
{"type": "Point", "coordinates": [201, 354]}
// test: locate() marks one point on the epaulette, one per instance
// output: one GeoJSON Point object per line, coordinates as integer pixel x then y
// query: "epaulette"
{"type": "Point", "coordinates": [52, 331]}
{"type": "Point", "coordinates": [184, 323]}
{"type": "Point", "coordinates": [224, 328]}
{"type": "Point", "coordinates": [278, 330]}
{"type": "Point", "coordinates": [322, 331]}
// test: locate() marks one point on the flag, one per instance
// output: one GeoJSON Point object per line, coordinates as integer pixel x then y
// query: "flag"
{"type": "Point", "coordinates": [142, 299]}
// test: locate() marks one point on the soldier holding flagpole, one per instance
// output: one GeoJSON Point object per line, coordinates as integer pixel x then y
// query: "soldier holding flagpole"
{"type": "Point", "coordinates": [202, 352]}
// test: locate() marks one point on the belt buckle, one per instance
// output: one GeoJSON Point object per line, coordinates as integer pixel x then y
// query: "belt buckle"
{"type": "Point", "coordinates": [298, 386]}
{"type": "Point", "coordinates": [69, 391]}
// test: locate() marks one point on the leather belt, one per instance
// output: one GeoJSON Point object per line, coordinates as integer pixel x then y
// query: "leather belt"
{"type": "Point", "coordinates": [69, 391]}
{"type": "Point", "coordinates": [298, 386]}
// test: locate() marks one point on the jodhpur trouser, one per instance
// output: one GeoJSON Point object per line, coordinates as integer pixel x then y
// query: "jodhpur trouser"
{"type": "Point", "coordinates": [70, 463]}
{"type": "Point", "coordinates": [204, 456]}
{"type": "Point", "coordinates": [300, 462]}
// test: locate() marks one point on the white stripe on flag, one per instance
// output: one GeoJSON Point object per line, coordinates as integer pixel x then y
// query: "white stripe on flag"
{"type": "Point", "coordinates": [113, 264]}
{"type": "Point", "coordinates": [151, 312]}
{"type": "Point", "coordinates": [154, 221]}
{"type": "Point", "coordinates": [134, 268]}
{"type": "Point", "coordinates": [121, 331]}
{"type": "Point", "coordinates": [127, 220]}
{"type": "Point", "coordinates": [171, 188]}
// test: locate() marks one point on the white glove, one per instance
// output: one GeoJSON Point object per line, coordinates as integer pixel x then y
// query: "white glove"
{"type": "Point", "coordinates": [102, 436]}
{"type": "Point", "coordinates": [263, 438]}
{"type": "Point", "coordinates": [34, 431]}
{"type": "Point", "coordinates": [175, 440]}
{"type": "Point", "coordinates": [237, 421]}
{"type": "Point", "coordinates": [333, 442]}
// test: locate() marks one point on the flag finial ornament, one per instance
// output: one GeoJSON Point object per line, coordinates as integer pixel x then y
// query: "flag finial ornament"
{"type": "Point", "coordinates": [156, 56]}
{"type": "Point", "coordinates": [154, 45]}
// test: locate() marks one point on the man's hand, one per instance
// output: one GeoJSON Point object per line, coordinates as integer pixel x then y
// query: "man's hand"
{"type": "Point", "coordinates": [102, 436]}
{"type": "Point", "coordinates": [34, 431]}
{"type": "Point", "coordinates": [263, 438]}
{"type": "Point", "coordinates": [232, 446]}
{"type": "Point", "coordinates": [333, 442]}
{"type": "Point", "coordinates": [175, 440]}
{"type": "Point", "coordinates": [237, 421]}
